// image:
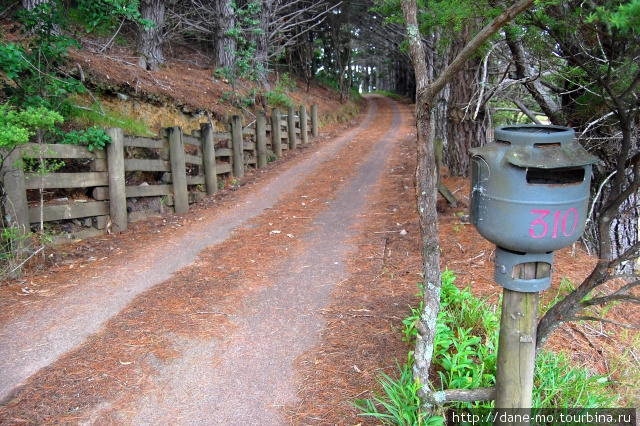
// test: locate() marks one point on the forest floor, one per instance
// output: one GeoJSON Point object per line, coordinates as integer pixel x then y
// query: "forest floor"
{"type": "Point", "coordinates": [276, 301]}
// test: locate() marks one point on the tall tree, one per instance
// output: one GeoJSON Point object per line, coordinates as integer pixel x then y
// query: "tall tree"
{"type": "Point", "coordinates": [426, 179]}
{"type": "Point", "coordinates": [151, 38]}
{"type": "Point", "coordinates": [224, 46]}
{"type": "Point", "coordinates": [465, 129]}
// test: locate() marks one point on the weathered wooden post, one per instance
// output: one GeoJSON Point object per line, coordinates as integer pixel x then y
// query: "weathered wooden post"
{"type": "Point", "coordinates": [516, 350]}
{"type": "Point", "coordinates": [303, 124]}
{"type": "Point", "coordinates": [15, 199]}
{"type": "Point", "coordinates": [529, 196]}
{"type": "Point", "coordinates": [209, 158]}
{"type": "Point", "coordinates": [276, 132]}
{"type": "Point", "coordinates": [178, 170]}
{"type": "Point", "coordinates": [261, 138]}
{"type": "Point", "coordinates": [238, 146]}
{"type": "Point", "coordinates": [314, 120]}
{"type": "Point", "coordinates": [291, 127]}
{"type": "Point", "coordinates": [117, 190]}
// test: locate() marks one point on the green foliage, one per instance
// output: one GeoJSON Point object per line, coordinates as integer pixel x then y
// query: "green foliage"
{"type": "Point", "coordinates": [327, 79]}
{"type": "Point", "coordinates": [279, 97]}
{"type": "Point", "coordinates": [286, 83]}
{"type": "Point", "coordinates": [450, 14]}
{"type": "Point", "coordinates": [14, 248]}
{"type": "Point", "coordinates": [465, 358]}
{"type": "Point", "coordinates": [410, 329]}
{"type": "Point", "coordinates": [31, 163]}
{"type": "Point", "coordinates": [243, 33]}
{"type": "Point", "coordinates": [106, 14]}
{"type": "Point", "coordinates": [399, 403]}
{"type": "Point", "coordinates": [271, 157]}
{"type": "Point", "coordinates": [17, 127]}
{"type": "Point", "coordinates": [464, 347]}
{"type": "Point", "coordinates": [624, 17]}
{"type": "Point", "coordinates": [93, 137]}
{"type": "Point", "coordinates": [33, 77]}
{"type": "Point", "coordinates": [557, 383]}
{"type": "Point", "coordinates": [13, 63]}
{"type": "Point", "coordinates": [10, 238]}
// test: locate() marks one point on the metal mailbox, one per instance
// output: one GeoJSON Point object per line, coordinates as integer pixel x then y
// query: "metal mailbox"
{"type": "Point", "coordinates": [529, 196]}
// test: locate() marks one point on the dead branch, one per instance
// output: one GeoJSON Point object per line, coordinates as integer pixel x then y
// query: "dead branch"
{"type": "Point", "coordinates": [590, 318]}
{"type": "Point", "coordinates": [464, 395]}
{"type": "Point", "coordinates": [621, 295]}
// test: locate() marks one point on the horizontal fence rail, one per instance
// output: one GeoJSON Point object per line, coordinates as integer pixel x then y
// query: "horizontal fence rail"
{"type": "Point", "coordinates": [168, 173]}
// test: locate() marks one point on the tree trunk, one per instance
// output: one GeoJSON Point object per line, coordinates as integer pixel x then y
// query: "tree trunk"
{"type": "Point", "coordinates": [463, 130]}
{"type": "Point", "coordinates": [427, 195]}
{"type": "Point", "coordinates": [426, 176]}
{"type": "Point", "coordinates": [150, 40]}
{"type": "Point", "coordinates": [440, 62]}
{"type": "Point", "coordinates": [262, 42]}
{"type": "Point", "coordinates": [224, 46]}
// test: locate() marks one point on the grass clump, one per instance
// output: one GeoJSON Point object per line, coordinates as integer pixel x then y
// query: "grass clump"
{"type": "Point", "coordinates": [103, 117]}
{"type": "Point", "coordinates": [465, 357]}
{"type": "Point", "coordinates": [399, 403]}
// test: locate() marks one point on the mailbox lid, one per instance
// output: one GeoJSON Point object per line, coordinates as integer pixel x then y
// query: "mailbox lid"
{"type": "Point", "coordinates": [543, 147]}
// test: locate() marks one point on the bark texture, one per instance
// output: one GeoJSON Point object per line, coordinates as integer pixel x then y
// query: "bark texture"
{"type": "Point", "coordinates": [463, 130]}
{"type": "Point", "coordinates": [151, 40]}
{"type": "Point", "coordinates": [224, 46]}
{"type": "Point", "coordinates": [426, 194]}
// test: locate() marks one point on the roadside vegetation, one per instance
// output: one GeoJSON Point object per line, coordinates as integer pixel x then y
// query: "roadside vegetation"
{"type": "Point", "coordinates": [465, 355]}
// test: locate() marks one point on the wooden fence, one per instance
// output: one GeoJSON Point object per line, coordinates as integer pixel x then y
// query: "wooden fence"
{"type": "Point", "coordinates": [184, 168]}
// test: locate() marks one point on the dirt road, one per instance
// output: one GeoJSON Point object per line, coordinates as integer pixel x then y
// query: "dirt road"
{"type": "Point", "coordinates": [248, 280]}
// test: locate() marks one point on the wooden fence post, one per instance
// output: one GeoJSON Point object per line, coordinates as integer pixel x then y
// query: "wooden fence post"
{"type": "Point", "coordinates": [303, 124]}
{"type": "Point", "coordinates": [276, 119]}
{"type": "Point", "coordinates": [516, 351]}
{"type": "Point", "coordinates": [261, 138]}
{"type": "Point", "coordinates": [291, 124]}
{"type": "Point", "coordinates": [117, 190]}
{"type": "Point", "coordinates": [15, 200]}
{"type": "Point", "coordinates": [238, 146]}
{"type": "Point", "coordinates": [209, 158]}
{"type": "Point", "coordinates": [314, 120]}
{"type": "Point", "coordinates": [178, 170]}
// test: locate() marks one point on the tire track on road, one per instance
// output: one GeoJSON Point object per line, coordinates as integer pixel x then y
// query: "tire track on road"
{"type": "Point", "coordinates": [39, 338]}
{"type": "Point", "coordinates": [254, 372]}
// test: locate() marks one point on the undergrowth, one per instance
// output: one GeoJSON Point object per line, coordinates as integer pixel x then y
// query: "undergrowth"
{"type": "Point", "coordinates": [465, 357]}
{"type": "Point", "coordinates": [103, 117]}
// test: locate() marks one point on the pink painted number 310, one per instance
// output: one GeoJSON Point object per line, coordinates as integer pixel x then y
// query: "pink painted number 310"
{"type": "Point", "coordinates": [540, 228]}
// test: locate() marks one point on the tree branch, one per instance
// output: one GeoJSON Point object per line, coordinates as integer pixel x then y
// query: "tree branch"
{"type": "Point", "coordinates": [590, 318]}
{"type": "Point", "coordinates": [464, 395]}
{"type": "Point", "coordinates": [485, 33]}
{"type": "Point", "coordinates": [526, 111]}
